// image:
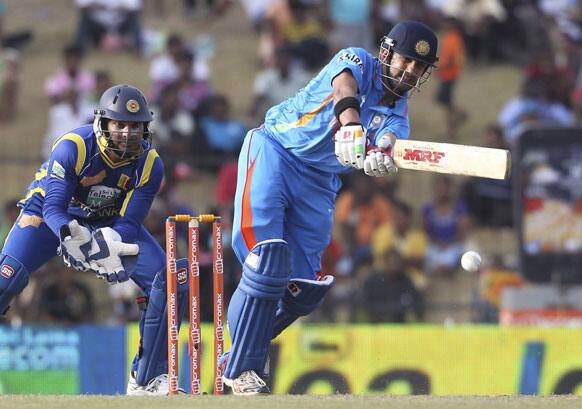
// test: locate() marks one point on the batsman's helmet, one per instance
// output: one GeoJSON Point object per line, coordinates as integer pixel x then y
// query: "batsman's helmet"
{"type": "Point", "coordinates": [127, 104]}
{"type": "Point", "coordinates": [414, 40]}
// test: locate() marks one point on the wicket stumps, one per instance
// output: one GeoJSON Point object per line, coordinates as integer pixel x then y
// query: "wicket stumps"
{"type": "Point", "coordinates": [173, 278]}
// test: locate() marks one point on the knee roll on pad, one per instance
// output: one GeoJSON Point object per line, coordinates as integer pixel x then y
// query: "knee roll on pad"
{"type": "Point", "coordinates": [13, 279]}
{"type": "Point", "coordinates": [252, 307]}
{"type": "Point", "coordinates": [152, 358]}
{"type": "Point", "coordinates": [301, 298]}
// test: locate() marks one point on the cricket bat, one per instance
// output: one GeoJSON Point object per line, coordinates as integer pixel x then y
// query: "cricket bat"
{"type": "Point", "coordinates": [452, 158]}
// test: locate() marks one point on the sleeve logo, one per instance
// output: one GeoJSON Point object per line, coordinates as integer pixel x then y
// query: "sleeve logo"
{"type": "Point", "coordinates": [353, 58]}
{"type": "Point", "coordinates": [57, 170]}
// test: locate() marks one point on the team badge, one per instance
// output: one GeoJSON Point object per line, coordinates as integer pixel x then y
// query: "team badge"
{"type": "Point", "coordinates": [422, 48]}
{"type": "Point", "coordinates": [122, 182]}
{"type": "Point", "coordinates": [132, 106]}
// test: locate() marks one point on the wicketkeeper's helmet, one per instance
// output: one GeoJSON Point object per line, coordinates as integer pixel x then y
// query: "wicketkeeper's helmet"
{"type": "Point", "coordinates": [122, 103]}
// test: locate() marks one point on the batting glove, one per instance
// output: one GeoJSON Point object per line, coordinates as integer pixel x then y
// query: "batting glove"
{"type": "Point", "coordinates": [74, 239]}
{"type": "Point", "coordinates": [350, 145]}
{"type": "Point", "coordinates": [378, 161]}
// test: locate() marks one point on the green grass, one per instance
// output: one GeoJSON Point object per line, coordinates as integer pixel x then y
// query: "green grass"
{"type": "Point", "coordinates": [291, 402]}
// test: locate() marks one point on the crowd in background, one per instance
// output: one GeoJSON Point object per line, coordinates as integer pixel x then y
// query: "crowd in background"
{"type": "Point", "coordinates": [386, 254]}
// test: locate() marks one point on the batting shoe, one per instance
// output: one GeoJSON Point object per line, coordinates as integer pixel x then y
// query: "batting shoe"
{"type": "Point", "coordinates": [223, 361]}
{"type": "Point", "coordinates": [159, 386]}
{"type": "Point", "coordinates": [247, 383]}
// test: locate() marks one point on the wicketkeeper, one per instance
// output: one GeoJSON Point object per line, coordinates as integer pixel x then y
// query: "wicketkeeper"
{"type": "Point", "coordinates": [88, 203]}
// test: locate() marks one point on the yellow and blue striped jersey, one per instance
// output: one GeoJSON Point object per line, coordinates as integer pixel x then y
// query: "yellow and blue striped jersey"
{"type": "Point", "coordinates": [79, 181]}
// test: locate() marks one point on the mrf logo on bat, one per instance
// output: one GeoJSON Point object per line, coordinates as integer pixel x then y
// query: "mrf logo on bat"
{"type": "Point", "coordinates": [423, 155]}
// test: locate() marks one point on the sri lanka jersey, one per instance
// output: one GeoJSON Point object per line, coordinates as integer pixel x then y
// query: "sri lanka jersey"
{"type": "Point", "coordinates": [81, 182]}
{"type": "Point", "coordinates": [305, 123]}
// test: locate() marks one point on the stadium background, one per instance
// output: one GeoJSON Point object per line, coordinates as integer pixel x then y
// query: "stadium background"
{"type": "Point", "coordinates": [458, 359]}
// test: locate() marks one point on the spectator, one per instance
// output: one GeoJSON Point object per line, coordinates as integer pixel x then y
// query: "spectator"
{"type": "Point", "coordinates": [9, 83]}
{"type": "Point", "coordinates": [191, 91]}
{"type": "Point", "coordinates": [276, 84]}
{"type": "Point", "coordinates": [107, 23]}
{"type": "Point", "coordinates": [489, 201]}
{"type": "Point", "coordinates": [65, 300]}
{"type": "Point", "coordinates": [70, 113]}
{"type": "Point", "coordinates": [103, 82]}
{"type": "Point", "coordinates": [172, 125]}
{"type": "Point", "coordinates": [493, 279]}
{"type": "Point", "coordinates": [388, 293]}
{"type": "Point", "coordinates": [219, 135]}
{"type": "Point", "coordinates": [165, 67]}
{"type": "Point", "coordinates": [446, 223]}
{"type": "Point", "coordinates": [72, 77]}
{"type": "Point", "coordinates": [411, 243]}
{"type": "Point", "coordinates": [451, 62]}
{"type": "Point", "coordinates": [303, 33]}
{"type": "Point", "coordinates": [481, 20]}
{"type": "Point", "coordinates": [350, 20]}
{"type": "Point", "coordinates": [532, 107]}
{"type": "Point", "coordinates": [359, 212]}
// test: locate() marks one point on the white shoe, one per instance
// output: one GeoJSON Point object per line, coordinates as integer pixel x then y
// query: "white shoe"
{"type": "Point", "coordinates": [158, 386]}
{"type": "Point", "coordinates": [248, 383]}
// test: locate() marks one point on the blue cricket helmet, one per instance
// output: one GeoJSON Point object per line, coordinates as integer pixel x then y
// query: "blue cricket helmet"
{"type": "Point", "coordinates": [414, 40]}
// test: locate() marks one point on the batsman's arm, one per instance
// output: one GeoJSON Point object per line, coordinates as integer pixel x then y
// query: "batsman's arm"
{"type": "Point", "coordinates": [345, 86]}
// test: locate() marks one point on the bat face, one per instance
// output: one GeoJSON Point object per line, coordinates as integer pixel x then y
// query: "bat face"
{"type": "Point", "coordinates": [452, 158]}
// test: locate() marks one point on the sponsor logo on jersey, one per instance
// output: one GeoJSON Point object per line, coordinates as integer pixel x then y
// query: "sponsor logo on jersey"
{"type": "Point", "coordinates": [57, 170]}
{"type": "Point", "coordinates": [352, 58]}
{"type": "Point", "coordinates": [421, 155]}
{"type": "Point", "coordinates": [102, 196]}
{"type": "Point", "coordinates": [6, 271]}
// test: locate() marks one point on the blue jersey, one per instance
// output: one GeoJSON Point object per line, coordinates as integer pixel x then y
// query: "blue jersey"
{"type": "Point", "coordinates": [80, 181]}
{"type": "Point", "coordinates": [305, 124]}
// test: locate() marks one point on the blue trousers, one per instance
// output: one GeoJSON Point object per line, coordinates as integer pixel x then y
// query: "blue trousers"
{"type": "Point", "coordinates": [279, 197]}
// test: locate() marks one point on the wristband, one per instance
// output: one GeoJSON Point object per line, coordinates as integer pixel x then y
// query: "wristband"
{"type": "Point", "coordinates": [345, 103]}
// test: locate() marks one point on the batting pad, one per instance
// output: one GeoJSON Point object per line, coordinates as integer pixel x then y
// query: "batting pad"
{"type": "Point", "coordinates": [301, 298]}
{"type": "Point", "coordinates": [251, 312]}
{"type": "Point", "coordinates": [13, 279]}
{"type": "Point", "coordinates": [152, 357]}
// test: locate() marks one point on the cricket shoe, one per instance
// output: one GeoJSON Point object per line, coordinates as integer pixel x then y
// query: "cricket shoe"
{"type": "Point", "coordinates": [247, 383]}
{"type": "Point", "coordinates": [223, 361]}
{"type": "Point", "coordinates": [159, 386]}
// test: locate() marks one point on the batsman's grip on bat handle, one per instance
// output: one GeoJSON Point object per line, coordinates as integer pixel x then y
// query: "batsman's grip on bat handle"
{"type": "Point", "coordinates": [202, 218]}
{"type": "Point", "coordinates": [372, 148]}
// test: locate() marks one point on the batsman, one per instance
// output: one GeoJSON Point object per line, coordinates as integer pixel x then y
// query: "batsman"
{"type": "Point", "coordinates": [87, 203]}
{"type": "Point", "coordinates": [345, 118]}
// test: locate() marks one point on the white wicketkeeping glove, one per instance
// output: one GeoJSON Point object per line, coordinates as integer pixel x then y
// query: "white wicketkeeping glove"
{"type": "Point", "coordinates": [105, 255]}
{"type": "Point", "coordinates": [350, 145]}
{"type": "Point", "coordinates": [75, 240]}
{"type": "Point", "coordinates": [379, 161]}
